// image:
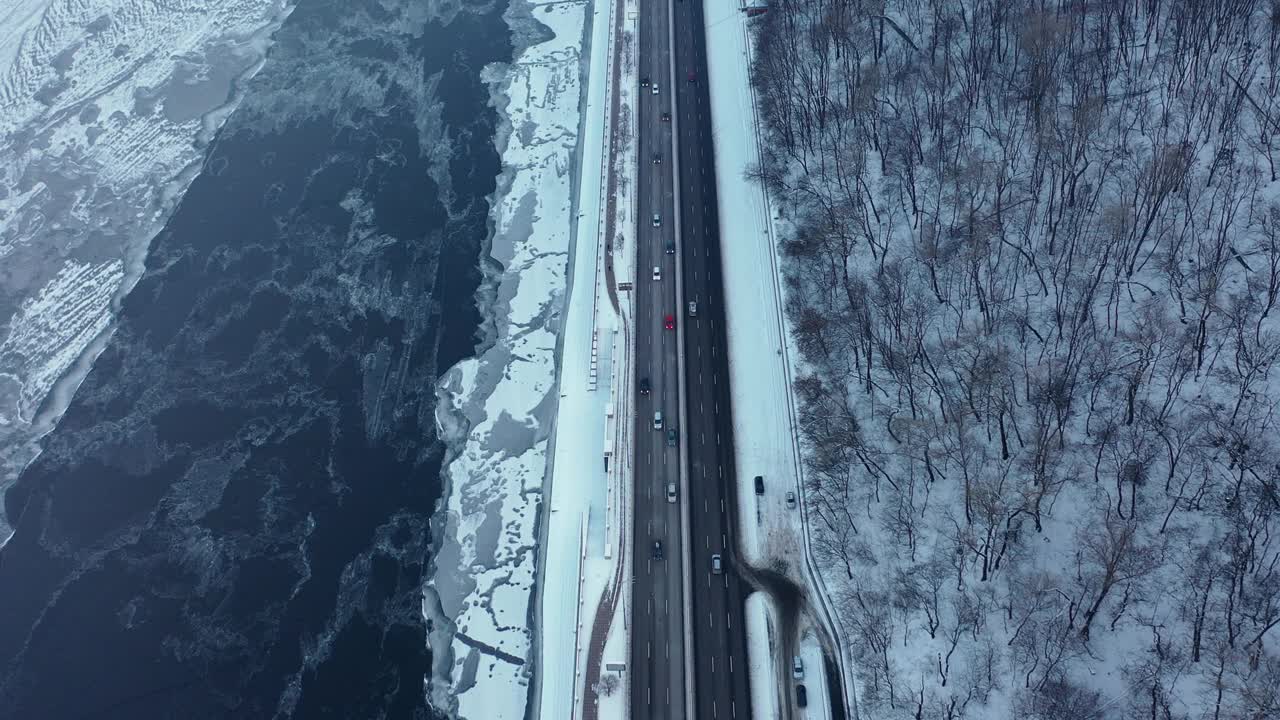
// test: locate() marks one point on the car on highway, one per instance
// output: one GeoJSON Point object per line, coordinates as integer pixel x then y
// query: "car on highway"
{"type": "Point", "coordinates": [657, 273]}
{"type": "Point", "coordinates": [657, 158]}
{"type": "Point", "coordinates": [759, 484]}
{"type": "Point", "coordinates": [791, 499]}
{"type": "Point", "coordinates": [657, 220]}
{"type": "Point", "coordinates": [666, 117]}
{"type": "Point", "coordinates": [644, 82]}
{"type": "Point", "coordinates": [671, 492]}
{"type": "Point", "coordinates": [673, 437]}
{"type": "Point", "coordinates": [797, 667]}
{"type": "Point", "coordinates": [693, 76]}
{"type": "Point", "coordinates": [657, 549]}
{"type": "Point", "coordinates": [716, 567]}
{"type": "Point", "coordinates": [693, 308]}
{"type": "Point", "coordinates": [654, 89]}
{"type": "Point", "coordinates": [657, 420]}
{"type": "Point", "coordinates": [644, 386]}
{"type": "Point", "coordinates": [802, 696]}
{"type": "Point", "coordinates": [671, 247]}
{"type": "Point", "coordinates": [670, 322]}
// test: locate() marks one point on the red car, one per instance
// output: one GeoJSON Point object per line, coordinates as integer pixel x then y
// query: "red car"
{"type": "Point", "coordinates": [671, 322]}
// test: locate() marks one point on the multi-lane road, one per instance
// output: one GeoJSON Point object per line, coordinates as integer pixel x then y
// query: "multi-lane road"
{"type": "Point", "coordinates": [657, 649]}
{"type": "Point", "coordinates": [719, 652]}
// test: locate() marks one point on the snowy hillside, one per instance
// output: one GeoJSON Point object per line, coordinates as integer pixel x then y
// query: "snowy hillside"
{"type": "Point", "coordinates": [1033, 261]}
{"type": "Point", "coordinates": [104, 108]}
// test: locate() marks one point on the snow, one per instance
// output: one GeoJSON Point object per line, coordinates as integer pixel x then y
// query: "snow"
{"type": "Point", "coordinates": [497, 409]}
{"type": "Point", "coordinates": [760, 657]}
{"type": "Point", "coordinates": [592, 417]}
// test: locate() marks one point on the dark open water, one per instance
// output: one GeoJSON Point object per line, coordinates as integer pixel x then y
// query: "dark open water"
{"type": "Point", "coordinates": [231, 519]}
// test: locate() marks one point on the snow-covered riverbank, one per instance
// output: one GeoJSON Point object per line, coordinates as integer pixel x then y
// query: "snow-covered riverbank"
{"type": "Point", "coordinates": [496, 410]}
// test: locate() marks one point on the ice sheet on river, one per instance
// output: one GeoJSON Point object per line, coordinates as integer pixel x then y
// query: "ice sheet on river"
{"type": "Point", "coordinates": [499, 407]}
{"type": "Point", "coordinates": [105, 109]}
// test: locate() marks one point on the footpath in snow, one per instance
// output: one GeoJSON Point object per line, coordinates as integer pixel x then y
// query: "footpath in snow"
{"type": "Point", "coordinates": [772, 532]}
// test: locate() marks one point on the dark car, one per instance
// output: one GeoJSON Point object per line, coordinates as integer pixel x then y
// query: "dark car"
{"type": "Point", "coordinates": [657, 159]}
{"type": "Point", "coordinates": [670, 322]}
{"type": "Point", "coordinates": [802, 695]}
{"type": "Point", "coordinates": [644, 386]}
{"type": "Point", "coordinates": [759, 484]}
{"type": "Point", "coordinates": [644, 82]}
{"type": "Point", "coordinates": [671, 248]}
{"type": "Point", "coordinates": [693, 76]}
{"type": "Point", "coordinates": [672, 437]}
{"type": "Point", "coordinates": [657, 549]}
{"type": "Point", "coordinates": [666, 117]}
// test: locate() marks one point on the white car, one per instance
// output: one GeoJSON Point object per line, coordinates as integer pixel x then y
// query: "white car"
{"type": "Point", "coordinates": [657, 220]}
{"type": "Point", "coordinates": [655, 88]}
{"type": "Point", "coordinates": [797, 668]}
{"type": "Point", "coordinates": [657, 273]}
{"type": "Point", "coordinates": [657, 420]}
{"type": "Point", "coordinates": [693, 309]}
{"type": "Point", "coordinates": [671, 492]}
{"type": "Point", "coordinates": [791, 499]}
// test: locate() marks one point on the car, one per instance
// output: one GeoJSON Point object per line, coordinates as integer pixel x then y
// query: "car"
{"type": "Point", "coordinates": [759, 484]}
{"type": "Point", "coordinates": [657, 549]}
{"type": "Point", "coordinates": [802, 696]}
{"type": "Point", "coordinates": [791, 499]}
{"type": "Point", "coordinates": [657, 273]}
{"type": "Point", "coordinates": [644, 386]}
{"type": "Point", "coordinates": [644, 82]}
{"type": "Point", "coordinates": [654, 89]}
{"type": "Point", "coordinates": [673, 437]}
{"type": "Point", "coordinates": [657, 419]}
{"type": "Point", "coordinates": [657, 158]}
{"type": "Point", "coordinates": [716, 567]}
{"type": "Point", "coordinates": [693, 76]}
{"type": "Point", "coordinates": [671, 492]}
{"type": "Point", "coordinates": [657, 220]}
{"type": "Point", "coordinates": [693, 308]}
{"type": "Point", "coordinates": [671, 247]}
{"type": "Point", "coordinates": [797, 667]}
{"type": "Point", "coordinates": [665, 117]}
{"type": "Point", "coordinates": [670, 322]}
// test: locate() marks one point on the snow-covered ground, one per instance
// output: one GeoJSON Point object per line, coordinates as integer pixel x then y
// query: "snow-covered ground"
{"type": "Point", "coordinates": [497, 409]}
{"type": "Point", "coordinates": [760, 657]}
{"type": "Point", "coordinates": [105, 109]}
{"type": "Point", "coordinates": [593, 416]}
{"type": "Point", "coordinates": [771, 532]}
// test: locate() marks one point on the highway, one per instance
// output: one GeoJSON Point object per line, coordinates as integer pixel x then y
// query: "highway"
{"type": "Point", "coordinates": [720, 668]}
{"type": "Point", "coordinates": [657, 648]}
{"type": "Point", "coordinates": [720, 652]}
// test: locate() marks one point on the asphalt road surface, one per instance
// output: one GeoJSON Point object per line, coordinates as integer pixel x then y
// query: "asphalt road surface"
{"type": "Point", "coordinates": [658, 651]}
{"type": "Point", "coordinates": [720, 668]}
{"type": "Point", "coordinates": [720, 654]}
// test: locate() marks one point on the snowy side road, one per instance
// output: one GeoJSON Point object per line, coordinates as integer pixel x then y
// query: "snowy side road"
{"type": "Point", "coordinates": [772, 530]}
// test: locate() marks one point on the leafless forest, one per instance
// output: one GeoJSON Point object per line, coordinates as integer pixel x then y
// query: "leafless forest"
{"type": "Point", "coordinates": [1033, 262]}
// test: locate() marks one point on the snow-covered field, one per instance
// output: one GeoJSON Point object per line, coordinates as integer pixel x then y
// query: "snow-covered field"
{"type": "Point", "coordinates": [496, 410]}
{"type": "Point", "coordinates": [105, 107]}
